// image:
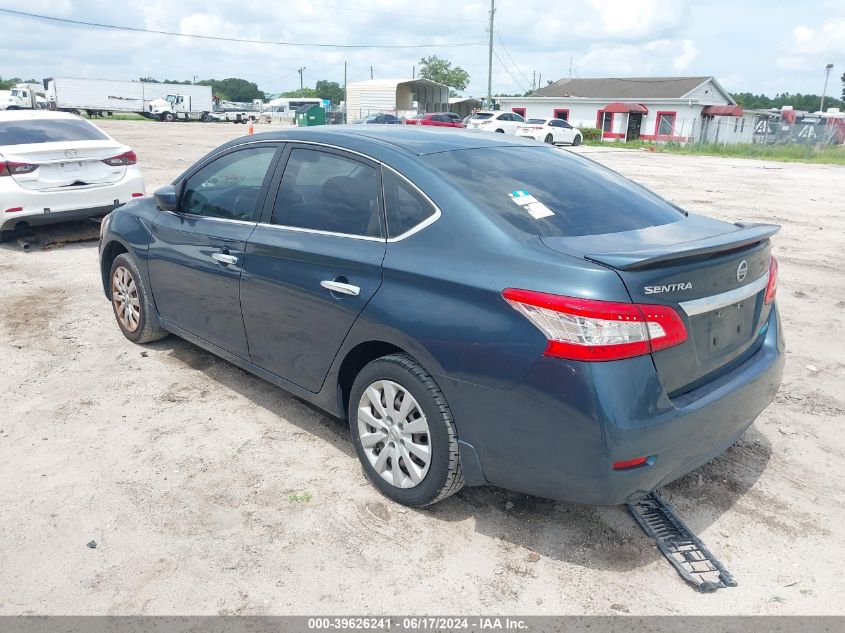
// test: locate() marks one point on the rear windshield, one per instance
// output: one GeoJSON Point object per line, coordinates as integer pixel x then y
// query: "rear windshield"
{"type": "Point", "coordinates": [538, 121]}
{"type": "Point", "coordinates": [482, 115]}
{"type": "Point", "coordinates": [550, 193]}
{"type": "Point", "coordinates": [48, 131]}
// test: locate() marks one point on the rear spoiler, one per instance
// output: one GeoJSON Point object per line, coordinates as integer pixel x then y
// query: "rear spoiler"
{"type": "Point", "coordinates": [747, 234]}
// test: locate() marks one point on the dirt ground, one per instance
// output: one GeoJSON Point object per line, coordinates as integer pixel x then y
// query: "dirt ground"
{"type": "Point", "coordinates": [210, 491]}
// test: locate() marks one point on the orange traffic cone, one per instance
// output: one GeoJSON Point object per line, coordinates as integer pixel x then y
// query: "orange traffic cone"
{"type": "Point", "coordinates": [251, 131]}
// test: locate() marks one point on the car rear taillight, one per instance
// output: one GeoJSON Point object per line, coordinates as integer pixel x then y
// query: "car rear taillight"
{"type": "Point", "coordinates": [14, 169]}
{"type": "Point", "coordinates": [126, 158]}
{"type": "Point", "coordinates": [590, 330]}
{"type": "Point", "coordinates": [772, 286]}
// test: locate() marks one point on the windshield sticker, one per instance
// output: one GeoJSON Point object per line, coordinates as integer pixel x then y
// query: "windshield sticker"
{"type": "Point", "coordinates": [534, 207]}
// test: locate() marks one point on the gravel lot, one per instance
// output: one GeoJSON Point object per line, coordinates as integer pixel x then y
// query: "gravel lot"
{"type": "Point", "coordinates": [210, 491]}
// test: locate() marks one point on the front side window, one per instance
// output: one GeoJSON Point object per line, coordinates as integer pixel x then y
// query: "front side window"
{"type": "Point", "coordinates": [405, 206]}
{"type": "Point", "coordinates": [323, 191]}
{"type": "Point", "coordinates": [517, 117]}
{"type": "Point", "coordinates": [229, 186]}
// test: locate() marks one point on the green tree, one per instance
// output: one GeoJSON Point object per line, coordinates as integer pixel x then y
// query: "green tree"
{"type": "Point", "coordinates": [809, 103]}
{"type": "Point", "coordinates": [441, 70]}
{"type": "Point", "coordinates": [8, 84]}
{"type": "Point", "coordinates": [233, 89]}
{"type": "Point", "coordinates": [304, 92]}
{"type": "Point", "coordinates": [330, 90]}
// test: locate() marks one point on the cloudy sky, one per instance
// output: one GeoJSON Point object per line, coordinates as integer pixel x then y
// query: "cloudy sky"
{"type": "Point", "coordinates": [764, 46]}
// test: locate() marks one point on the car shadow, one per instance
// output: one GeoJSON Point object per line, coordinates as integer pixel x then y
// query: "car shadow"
{"type": "Point", "coordinates": [601, 538]}
{"type": "Point", "coordinates": [83, 234]}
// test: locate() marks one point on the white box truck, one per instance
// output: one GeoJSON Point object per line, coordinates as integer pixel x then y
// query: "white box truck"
{"type": "Point", "coordinates": [166, 102]}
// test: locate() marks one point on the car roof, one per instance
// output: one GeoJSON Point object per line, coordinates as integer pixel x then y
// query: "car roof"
{"type": "Point", "coordinates": [375, 140]}
{"type": "Point", "coordinates": [29, 115]}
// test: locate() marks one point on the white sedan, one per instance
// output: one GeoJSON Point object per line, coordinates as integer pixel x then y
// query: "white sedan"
{"type": "Point", "coordinates": [495, 121]}
{"type": "Point", "coordinates": [550, 131]}
{"type": "Point", "coordinates": [56, 166]}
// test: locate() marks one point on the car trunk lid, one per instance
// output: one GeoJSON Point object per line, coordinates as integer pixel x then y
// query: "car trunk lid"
{"type": "Point", "coordinates": [713, 277]}
{"type": "Point", "coordinates": [62, 166]}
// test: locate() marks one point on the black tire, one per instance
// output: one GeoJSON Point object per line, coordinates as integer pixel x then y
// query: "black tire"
{"type": "Point", "coordinates": [206, 118]}
{"type": "Point", "coordinates": [549, 139]}
{"type": "Point", "coordinates": [169, 117]}
{"type": "Point", "coordinates": [444, 476]}
{"type": "Point", "coordinates": [6, 236]}
{"type": "Point", "coordinates": [576, 140]}
{"type": "Point", "coordinates": [147, 329]}
{"type": "Point", "coordinates": [500, 131]}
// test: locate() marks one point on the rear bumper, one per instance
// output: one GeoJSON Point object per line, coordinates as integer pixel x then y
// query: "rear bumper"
{"type": "Point", "coordinates": [558, 433]}
{"type": "Point", "coordinates": [47, 207]}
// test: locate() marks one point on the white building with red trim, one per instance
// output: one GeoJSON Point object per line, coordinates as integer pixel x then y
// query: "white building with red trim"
{"type": "Point", "coordinates": [681, 109]}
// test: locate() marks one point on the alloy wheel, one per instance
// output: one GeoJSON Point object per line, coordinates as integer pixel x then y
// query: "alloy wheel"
{"type": "Point", "coordinates": [394, 434]}
{"type": "Point", "coordinates": [124, 294]}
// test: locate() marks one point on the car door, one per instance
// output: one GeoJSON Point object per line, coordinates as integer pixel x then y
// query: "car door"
{"type": "Point", "coordinates": [196, 253]}
{"type": "Point", "coordinates": [511, 121]}
{"type": "Point", "coordinates": [313, 262]}
{"type": "Point", "coordinates": [565, 132]}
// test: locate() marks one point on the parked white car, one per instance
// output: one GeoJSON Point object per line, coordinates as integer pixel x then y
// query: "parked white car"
{"type": "Point", "coordinates": [56, 166]}
{"type": "Point", "coordinates": [495, 121]}
{"type": "Point", "coordinates": [552, 131]}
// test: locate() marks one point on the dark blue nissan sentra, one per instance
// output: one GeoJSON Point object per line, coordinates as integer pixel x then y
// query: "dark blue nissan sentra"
{"type": "Point", "coordinates": [482, 309]}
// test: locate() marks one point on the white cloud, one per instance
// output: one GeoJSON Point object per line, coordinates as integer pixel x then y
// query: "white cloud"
{"type": "Point", "coordinates": [601, 37]}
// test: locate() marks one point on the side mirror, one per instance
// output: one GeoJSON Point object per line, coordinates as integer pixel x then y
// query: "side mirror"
{"type": "Point", "coordinates": [166, 198]}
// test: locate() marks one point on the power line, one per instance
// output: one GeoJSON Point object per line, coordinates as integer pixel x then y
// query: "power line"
{"type": "Point", "coordinates": [230, 39]}
{"type": "Point", "coordinates": [516, 81]}
{"type": "Point", "coordinates": [507, 52]}
{"type": "Point", "coordinates": [417, 16]}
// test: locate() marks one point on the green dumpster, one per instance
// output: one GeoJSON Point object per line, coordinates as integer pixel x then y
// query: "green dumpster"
{"type": "Point", "coordinates": [310, 114]}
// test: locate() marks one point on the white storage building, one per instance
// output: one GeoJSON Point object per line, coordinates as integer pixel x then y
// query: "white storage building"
{"type": "Point", "coordinates": [400, 97]}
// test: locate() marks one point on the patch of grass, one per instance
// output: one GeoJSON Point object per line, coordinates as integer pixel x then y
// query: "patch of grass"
{"type": "Point", "coordinates": [822, 154]}
{"type": "Point", "coordinates": [777, 599]}
{"type": "Point", "coordinates": [806, 592]}
{"type": "Point", "coordinates": [304, 497]}
{"type": "Point", "coordinates": [119, 116]}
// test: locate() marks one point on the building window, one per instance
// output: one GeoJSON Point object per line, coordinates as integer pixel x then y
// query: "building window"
{"type": "Point", "coordinates": [742, 127]}
{"type": "Point", "coordinates": [665, 123]}
{"type": "Point", "coordinates": [607, 121]}
{"type": "Point", "coordinates": [562, 113]}
{"type": "Point", "coordinates": [736, 125]}
{"type": "Point", "coordinates": [519, 111]}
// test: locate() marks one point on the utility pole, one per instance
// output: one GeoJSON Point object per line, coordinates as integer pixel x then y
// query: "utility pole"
{"type": "Point", "coordinates": [539, 81]}
{"type": "Point", "coordinates": [371, 72]}
{"type": "Point", "coordinates": [195, 79]}
{"type": "Point", "coordinates": [299, 70]}
{"type": "Point", "coordinates": [413, 72]}
{"type": "Point", "coordinates": [345, 100]}
{"type": "Point", "coordinates": [534, 81]}
{"type": "Point", "coordinates": [490, 57]}
{"type": "Point", "coordinates": [827, 70]}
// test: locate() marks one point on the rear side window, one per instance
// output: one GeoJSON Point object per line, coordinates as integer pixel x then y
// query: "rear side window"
{"type": "Point", "coordinates": [482, 115]}
{"type": "Point", "coordinates": [48, 131]}
{"type": "Point", "coordinates": [574, 196]}
{"type": "Point", "coordinates": [538, 121]}
{"type": "Point", "coordinates": [405, 206]}
{"type": "Point", "coordinates": [322, 191]}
